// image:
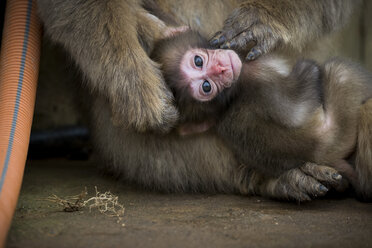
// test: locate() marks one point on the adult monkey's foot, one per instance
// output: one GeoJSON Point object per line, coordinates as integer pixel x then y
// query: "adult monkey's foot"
{"type": "Point", "coordinates": [299, 184]}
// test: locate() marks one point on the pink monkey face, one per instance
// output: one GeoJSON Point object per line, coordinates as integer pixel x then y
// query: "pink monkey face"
{"type": "Point", "coordinates": [209, 72]}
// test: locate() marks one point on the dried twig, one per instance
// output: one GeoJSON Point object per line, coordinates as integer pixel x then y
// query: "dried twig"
{"type": "Point", "coordinates": [70, 203]}
{"type": "Point", "coordinates": [106, 203]}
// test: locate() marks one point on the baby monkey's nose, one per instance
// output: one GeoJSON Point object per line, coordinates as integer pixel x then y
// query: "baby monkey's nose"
{"type": "Point", "coordinates": [218, 70]}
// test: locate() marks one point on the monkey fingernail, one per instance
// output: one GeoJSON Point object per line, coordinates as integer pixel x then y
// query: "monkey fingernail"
{"type": "Point", "coordinates": [226, 45]}
{"type": "Point", "coordinates": [233, 44]}
{"type": "Point", "coordinates": [322, 188]}
{"type": "Point", "coordinates": [250, 56]}
{"type": "Point", "coordinates": [222, 40]}
{"type": "Point", "coordinates": [336, 176]}
{"type": "Point", "coordinates": [214, 42]}
{"type": "Point", "coordinates": [254, 53]}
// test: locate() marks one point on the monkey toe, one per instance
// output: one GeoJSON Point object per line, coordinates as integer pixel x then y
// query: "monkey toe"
{"type": "Point", "coordinates": [301, 187]}
{"type": "Point", "coordinates": [324, 174]}
{"type": "Point", "coordinates": [312, 187]}
{"type": "Point", "coordinates": [301, 182]}
{"type": "Point", "coordinates": [336, 176]}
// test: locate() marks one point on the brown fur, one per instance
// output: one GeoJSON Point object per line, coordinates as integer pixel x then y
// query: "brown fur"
{"type": "Point", "coordinates": [279, 119]}
{"type": "Point", "coordinates": [110, 40]}
{"type": "Point", "coordinates": [269, 136]}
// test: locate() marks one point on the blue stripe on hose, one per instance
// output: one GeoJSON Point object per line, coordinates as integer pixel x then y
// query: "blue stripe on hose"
{"type": "Point", "coordinates": [18, 97]}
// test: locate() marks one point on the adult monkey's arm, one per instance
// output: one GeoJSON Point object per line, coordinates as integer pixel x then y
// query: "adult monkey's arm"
{"type": "Point", "coordinates": [274, 23]}
{"type": "Point", "coordinates": [107, 40]}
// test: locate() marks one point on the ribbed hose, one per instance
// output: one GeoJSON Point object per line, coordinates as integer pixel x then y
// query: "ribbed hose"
{"type": "Point", "coordinates": [19, 68]}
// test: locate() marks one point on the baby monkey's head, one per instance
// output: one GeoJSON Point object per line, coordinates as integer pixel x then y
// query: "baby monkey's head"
{"type": "Point", "coordinates": [193, 69]}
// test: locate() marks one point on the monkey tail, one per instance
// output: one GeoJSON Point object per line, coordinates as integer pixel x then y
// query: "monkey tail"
{"type": "Point", "coordinates": [19, 68]}
{"type": "Point", "coordinates": [363, 162]}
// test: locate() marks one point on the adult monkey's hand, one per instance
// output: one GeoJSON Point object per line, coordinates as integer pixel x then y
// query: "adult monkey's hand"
{"type": "Point", "coordinates": [299, 184]}
{"type": "Point", "coordinates": [249, 24]}
{"type": "Point", "coordinates": [269, 24]}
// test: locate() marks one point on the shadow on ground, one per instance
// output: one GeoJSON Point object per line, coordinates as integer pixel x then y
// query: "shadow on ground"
{"type": "Point", "coordinates": [176, 220]}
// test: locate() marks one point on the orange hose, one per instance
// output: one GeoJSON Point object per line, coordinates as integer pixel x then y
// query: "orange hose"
{"type": "Point", "coordinates": [19, 68]}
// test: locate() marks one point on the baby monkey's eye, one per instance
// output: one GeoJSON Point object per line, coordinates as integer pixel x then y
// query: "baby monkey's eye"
{"type": "Point", "coordinates": [198, 61]}
{"type": "Point", "coordinates": [206, 87]}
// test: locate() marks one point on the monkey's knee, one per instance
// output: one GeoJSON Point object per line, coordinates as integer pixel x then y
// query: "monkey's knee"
{"type": "Point", "coordinates": [307, 70]}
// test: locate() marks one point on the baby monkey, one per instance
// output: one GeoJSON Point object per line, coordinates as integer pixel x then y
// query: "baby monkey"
{"type": "Point", "coordinates": [273, 117]}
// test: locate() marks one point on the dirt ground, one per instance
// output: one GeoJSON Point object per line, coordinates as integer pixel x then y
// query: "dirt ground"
{"type": "Point", "coordinates": [176, 220]}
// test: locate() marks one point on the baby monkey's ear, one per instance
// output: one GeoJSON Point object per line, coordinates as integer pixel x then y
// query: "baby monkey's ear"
{"type": "Point", "coordinates": [173, 31]}
{"type": "Point", "coordinates": [164, 31]}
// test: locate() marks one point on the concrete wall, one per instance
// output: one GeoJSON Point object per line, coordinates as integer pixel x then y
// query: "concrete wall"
{"type": "Point", "coordinates": [59, 93]}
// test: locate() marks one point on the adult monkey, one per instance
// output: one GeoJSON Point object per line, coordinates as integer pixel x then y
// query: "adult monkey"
{"type": "Point", "coordinates": [110, 41]}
